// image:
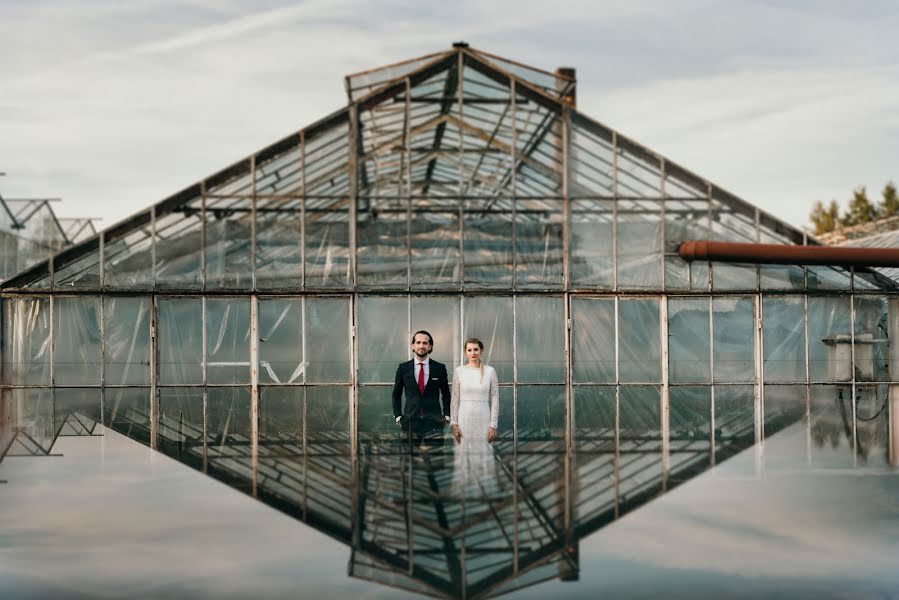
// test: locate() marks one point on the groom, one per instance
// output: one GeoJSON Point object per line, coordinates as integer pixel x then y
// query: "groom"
{"type": "Point", "coordinates": [423, 380]}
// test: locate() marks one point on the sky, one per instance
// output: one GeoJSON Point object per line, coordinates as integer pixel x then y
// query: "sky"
{"type": "Point", "coordinates": [113, 106]}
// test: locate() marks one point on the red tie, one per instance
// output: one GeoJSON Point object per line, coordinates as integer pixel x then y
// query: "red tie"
{"type": "Point", "coordinates": [421, 378]}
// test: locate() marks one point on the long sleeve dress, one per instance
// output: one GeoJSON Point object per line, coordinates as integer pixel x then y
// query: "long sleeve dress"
{"type": "Point", "coordinates": [474, 407]}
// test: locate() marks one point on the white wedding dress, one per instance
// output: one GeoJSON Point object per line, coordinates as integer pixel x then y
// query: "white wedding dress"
{"type": "Point", "coordinates": [474, 408]}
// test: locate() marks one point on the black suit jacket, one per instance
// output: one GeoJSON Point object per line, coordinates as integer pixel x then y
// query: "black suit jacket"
{"type": "Point", "coordinates": [418, 404]}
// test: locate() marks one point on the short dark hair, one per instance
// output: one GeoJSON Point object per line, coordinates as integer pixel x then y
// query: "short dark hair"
{"type": "Point", "coordinates": [430, 338]}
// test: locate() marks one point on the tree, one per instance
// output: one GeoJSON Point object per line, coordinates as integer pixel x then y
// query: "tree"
{"type": "Point", "coordinates": [860, 209]}
{"type": "Point", "coordinates": [824, 219]}
{"type": "Point", "coordinates": [889, 206]}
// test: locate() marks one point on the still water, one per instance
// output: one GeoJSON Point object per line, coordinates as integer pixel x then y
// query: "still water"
{"type": "Point", "coordinates": [800, 516]}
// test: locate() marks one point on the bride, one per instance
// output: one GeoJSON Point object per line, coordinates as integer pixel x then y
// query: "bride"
{"type": "Point", "coordinates": [474, 411]}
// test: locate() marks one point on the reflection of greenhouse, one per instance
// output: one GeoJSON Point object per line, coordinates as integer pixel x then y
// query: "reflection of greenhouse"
{"type": "Point", "coordinates": [250, 325]}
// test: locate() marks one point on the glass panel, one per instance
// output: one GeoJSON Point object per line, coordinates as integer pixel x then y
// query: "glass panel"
{"type": "Point", "coordinates": [872, 352]}
{"type": "Point", "coordinates": [639, 244]}
{"type": "Point", "coordinates": [328, 420]}
{"type": "Point", "coordinates": [77, 410]}
{"type": "Point", "coordinates": [487, 243]}
{"type": "Point", "coordinates": [685, 220]}
{"type": "Point", "coordinates": [228, 340]}
{"type": "Point", "coordinates": [734, 418]}
{"type": "Point", "coordinates": [639, 354]}
{"type": "Point", "coordinates": [434, 231]}
{"type": "Point", "coordinates": [383, 337]}
{"type": "Point", "coordinates": [180, 340]}
{"type": "Point", "coordinates": [328, 340]}
{"type": "Point", "coordinates": [538, 244]}
{"type": "Point", "coordinates": [489, 318]}
{"type": "Point", "coordinates": [376, 423]}
{"type": "Point", "coordinates": [781, 277]}
{"type": "Point", "coordinates": [872, 424]}
{"type": "Point", "coordinates": [280, 340]}
{"type": "Point", "coordinates": [733, 223]}
{"type": "Point", "coordinates": [784, 405]}
{"type": "Point", "coordinates": [327, 246]}
{"type": "Point", "coordinates": [129, 258]}
{"type": "Point", "coordinates": [127, 346]}
{"type": "Point", "coordinates": [688, 340]}
{"type": "Point", "coordinates": [827, 278]}
{"type": "Point", "coordinates": [784, 339]}
{"type": "Point", "coordinates": [591, 243]}
{"type": "Point", "coordinates": [77, 345]}
{"type": "Point", "coordinates": [440, 316]}
{"type": "Point", "coordinates": [281, 416]}
{"type": "Point", "coordinates": [734, 322]}
{"type": "Point", "coordinates": [689, 416]}
{"type": "Point", "coordinates": [228, 418]}
{"type": "Point", "coordinates": [540, 414]}
{"type": "Point", "coordinates": [593, 335]}
{"type": "Point", "coordinates": [382, 254]}
{"type": "Point", "coordinates": [180, 424]}
{"type": "Point", "coordinates": [589, 159]}
{"type": "Point", "coordinates": [127, 410]}
{"type": "Point", "coordinates": [81, 274]}
{"type": "Point", "coordinates": [540, 339]}
{"type": "Point", "coordinates": [178, 251]}
{"type": "Point", "coordinates": [228, 240]}
{"type": "Point", "coordinates": [830, 423]}
{"type": "Point", "coordinates": [26, 341]}
{"type": "Point", "coordinates": [639, 413]}
{"type": "Point", "coordinates": [278, 244]}
{"type": "Point", "coordinates": [829, 339]}
{"type": "Point", "coordinates": [35, 415]}
{"type": "Point", "coordinates": [594, 418]}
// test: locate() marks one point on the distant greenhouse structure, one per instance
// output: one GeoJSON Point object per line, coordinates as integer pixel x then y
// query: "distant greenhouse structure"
{"type": "Point", "coordinates": [31, 232]}
{"type": "Point", "coordinates": [250, 325]}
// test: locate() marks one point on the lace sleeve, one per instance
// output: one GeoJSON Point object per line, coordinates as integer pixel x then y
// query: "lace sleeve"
{"type": "Point", "coordinates": [454, 399]}
{"type": "Point", "coordinates": [494, 399]}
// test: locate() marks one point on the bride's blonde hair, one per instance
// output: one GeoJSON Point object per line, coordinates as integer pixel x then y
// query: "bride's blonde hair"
{"type": "Point", "coordinates": [474, 340]}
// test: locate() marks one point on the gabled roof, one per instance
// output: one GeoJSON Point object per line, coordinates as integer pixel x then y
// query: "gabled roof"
{"type": "Point", "coordinates": [421, 127]}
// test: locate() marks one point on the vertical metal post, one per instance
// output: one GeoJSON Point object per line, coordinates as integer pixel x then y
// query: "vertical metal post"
{"type": "Point", "coordinates": [852, 318]}
{"type": "Point", "coordinates": [516, 516]}
{"type": "Point", "coordinates": [406, 174]}
{"type": "Point", "coordinates": [205, 375]}
{"type": "Point", "coordinates": [102, 324]}
{"type": "Point", "coordinates": [153, 247]}
{"type": "Point", "coordinates": [254, 388]}
{"type": "Point", "coordinates": [102, 260]}
{"type": "Point", "coordinates": [615, 223]}
{"type": "Point", "coordinates": [759, 396]}
{"type": "Point", "coordinates": [352, 165]}
{"type": "Point", "coordinates": [569, 415]}
{"type": "Point", "coordinates": [514, 158]}
{"type": "Point", "coordinates": [566, 201]}
{"type": "Point", "coordinates": [460, 65]}
{"type": "Point", "coordinates": [662, 217]}
{"type": "Point", "coordinates": [712, 380]}
{"type": "Point", "coordinates": [664, 399]}
{"type": "Point", "coordinates": [154, 369]}
{"type": "Point", "coordinates": [303, 212]}
{"type": "Point", "coordinates": [808, 422]}
{"type": "Point", "coordinates": [203, 269]}
{"type": "Point", "coordinates": [710, 232]}
{"type": "Point", "coordinates": [53, 309]}
{"type": "Point", "coordinates": [253, 225]}
{"type": "Point", "coordinates": [617, 459]}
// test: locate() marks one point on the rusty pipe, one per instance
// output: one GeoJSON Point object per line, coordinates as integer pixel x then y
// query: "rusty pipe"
{"type": "Point", "coordinates": [780, 254]}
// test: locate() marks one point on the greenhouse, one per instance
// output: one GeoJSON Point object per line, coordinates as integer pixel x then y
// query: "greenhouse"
{"type": "Point", "coordinates": [250, 325]}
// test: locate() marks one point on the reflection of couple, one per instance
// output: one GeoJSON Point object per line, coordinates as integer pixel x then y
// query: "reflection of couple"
{"type": "Point", "coordinates": [472, 409]}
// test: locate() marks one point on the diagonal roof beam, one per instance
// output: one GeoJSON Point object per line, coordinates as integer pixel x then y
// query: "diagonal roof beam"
{"type": "Point", "coordinates": [446, 103]}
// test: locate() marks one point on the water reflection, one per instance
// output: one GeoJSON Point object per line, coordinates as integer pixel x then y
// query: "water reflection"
{"type": "Point", "coordinates": [392, 502]}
